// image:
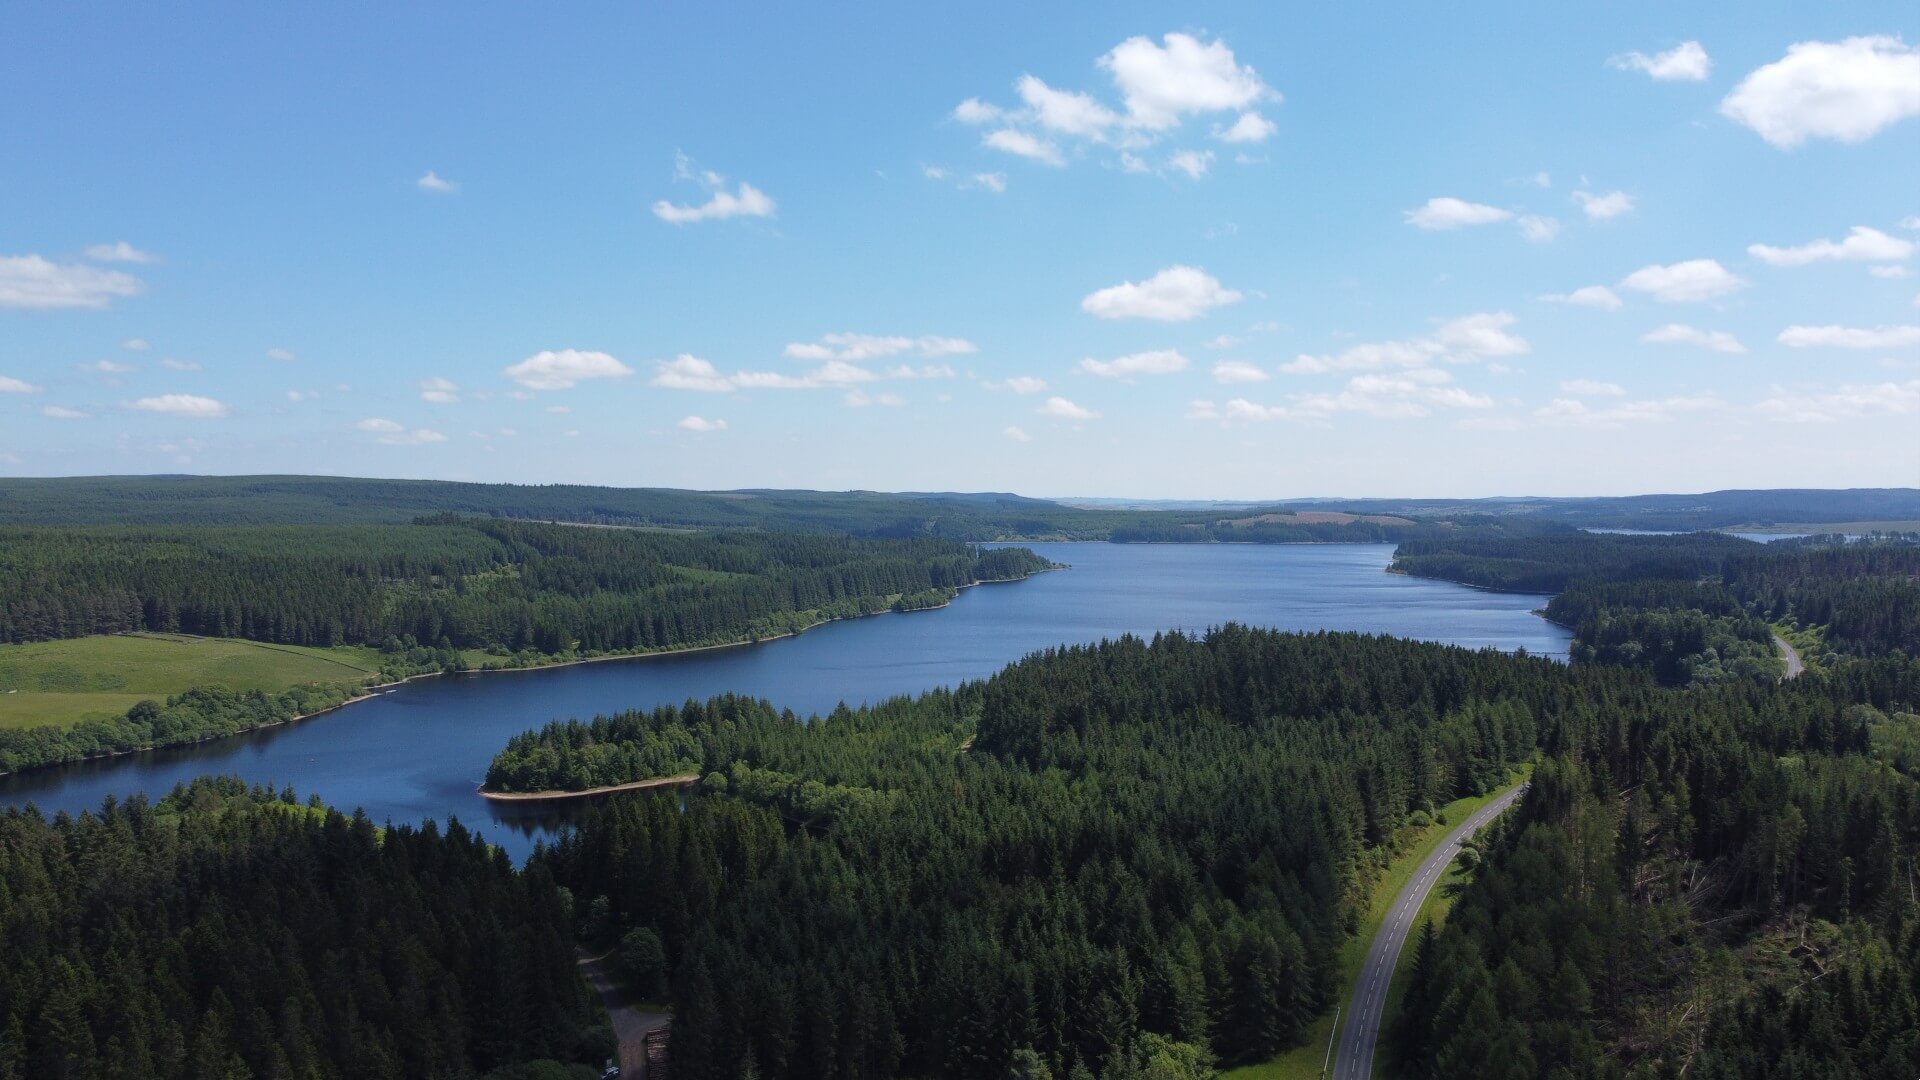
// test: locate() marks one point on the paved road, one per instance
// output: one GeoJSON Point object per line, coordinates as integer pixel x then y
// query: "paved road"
{"type": "Point", "coordinates": [1791, 655]}
{"type": "Point", "coordinates": [1369, 1001]}
{"type": "Point", "coordinates": [630, 1025]}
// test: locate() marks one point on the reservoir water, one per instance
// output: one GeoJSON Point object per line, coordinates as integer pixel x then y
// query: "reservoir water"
{"type": "Point", "coordinates": [420, 750]}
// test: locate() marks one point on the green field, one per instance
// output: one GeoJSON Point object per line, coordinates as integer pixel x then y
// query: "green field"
{"type": "Point", "coordinates": [1304, 1062]}
{"type": "Point", "coordinates": [61, 683]}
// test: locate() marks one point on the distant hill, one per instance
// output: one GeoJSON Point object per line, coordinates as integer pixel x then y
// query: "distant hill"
{"type": "Point", "coordinates": [208, 500]}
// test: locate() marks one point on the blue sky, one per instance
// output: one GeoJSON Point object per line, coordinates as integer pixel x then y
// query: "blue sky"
{"type": "Point", "coordinates": [1198, 251]}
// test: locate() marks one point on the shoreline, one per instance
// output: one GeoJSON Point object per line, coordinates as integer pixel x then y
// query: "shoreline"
{"type": "Point", "coordinates": [375, 690]}
{"type": "Point", "coordinates": [559, 795]}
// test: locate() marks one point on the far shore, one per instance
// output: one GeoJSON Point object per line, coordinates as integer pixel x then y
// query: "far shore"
{"type": "Point", "coordinates": [683, 780]}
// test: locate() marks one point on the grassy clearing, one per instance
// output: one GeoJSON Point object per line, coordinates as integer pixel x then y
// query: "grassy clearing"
{"type": "Point", "coordinates": [1304, 1062]}
{"type": "Point", "coordinates": [60, 683]}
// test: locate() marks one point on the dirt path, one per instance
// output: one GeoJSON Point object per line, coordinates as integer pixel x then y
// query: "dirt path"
{"type": "Point", "coordinates": [630, 1022]}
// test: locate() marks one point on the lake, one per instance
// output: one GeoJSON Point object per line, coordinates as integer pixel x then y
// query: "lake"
{"type": "Point", "coordinates": [420, 750]}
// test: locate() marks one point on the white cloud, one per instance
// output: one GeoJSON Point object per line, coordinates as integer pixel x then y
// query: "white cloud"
{"type": "Point", "coordinates": [180, 405]}
{"type": "Point", "coordinates": [560, 369]}
{"type": "Point", "coordinates": [1175, 294]}
{"type": "Point", "coordinates": [1603, 207]}
{"type": "Point", "coordinates": [1065, 111]}
{"type": "Point", "coordinates": [1537, 229]}
{"type": "Point", "coordinates": [1686, 61]}
{"type": "Point", "coordinates": [1861, 245]}
{"type": "Point", "coordinates": [30, 282]}
{"type": "Point", "coordinates": [995, 182]}
{"type": "Point", "coordinates": [689, 372]}
{"type": "Point", "coordinates": [1889, 271]}
{"type": "Point", "coordinates": [174, 363]}
{"type": "Point", "coordinates": [1061, 408]}
{"type": "Point", "coordinates": [438, 390]}
{"type": "Point", "coordinates": [860, 399]}
{"type": "Point", "coordinates": [1402, 395]}
{"type": "Point", "coordinates": [701, 423]}
{"type": "Point", "coordinates": [1021, 384]}
{"type": "Point", "coordinates": [134, 344]}
{"type": "Point", "coordinates": [396, 434]}
{"type": "Point", "coordinates": [434, 184]}
{"type": "Point", "coordinates": [1592, 388]}
{"type": "Point", "coordinates": [1021, 144]}
{"type": "Point", "coordinates": [1468, 338]}
{"type": "Point", "coordinates": [858, 347]}
{"type": "Point", "coordinates": [1156, 362]}
{"type": "Point", "coordinates": [285, 356]}
{"type": "Point", "coordinates": [924, 371]}
{"type": "Point", "coordinates": [1592, 296]}
{"type": "Point", "coordinates": [975, 111]}
{"type": "Point", "coordinates": [1194, 163]}
{"type": "Point", "coordinates": [120, 251]}
{"type": "Point", "coordinates": [302, 395]}
{"type": "Point", "coordinates": [61, 412]}
{"type": "Point", "coordinates": [1447, 212]}
{"type": "Point", "coordinates": [1238, 371]}
{"type": "Point", "coordinates": [748, 202]}
{"type": "Point", "coordinates": [1693, 281]}
{"type": "Point", "coordinates": [1682, 334]}
{"type": "Point", "coordinates": [1163, 83]}
{"type": "Point", "coordinates": [1016, 434]}
{"type": "Point", "coordinates": [1847, 91]}
{"type": "Point", "coordinates": [1850, 337]}
{"type": "Point", "coordinates": [1569, 412]}
{"type": "Point", "coordinates": [557, 410]}
{"type": "Point", "coordinates": [1882, 399]}
{"type": "Point", "coordinates": [11, 385]}
{"type": "Point", "coordinates": [1251, 127]}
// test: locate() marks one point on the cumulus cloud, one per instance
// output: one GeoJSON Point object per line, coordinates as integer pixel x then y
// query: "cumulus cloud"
{"type": "Point", "coordinates": [1238, 371]}
{"type": "Point", "coordinates": [393, 433]}
{"type": "Point", "coordinates": [180, 405]}
{"type": "Point", "coordinates": [11, 385]}
{"type": "Point", "coordinates": [1175, 294]}
{"type": "Point", "coordinates": [689, 372]}
{"type": "Point", "coordinates": [1016, 434]}
{"type": "Point", "coordinates": [1065, 111]}
{"type": "Point", "coordinates": [995, 182]}
{"type": "Point", "coordinates": [1194, 163]}
{"type": "Point", "coordinates": [1850, 337]}
{"type": "Point", "coordinates": [860, 399]}
{"type": "Point", "coordinates": [1156, 362]}
{"type": "Point", "coordinates": [120, 251]}
{"type": "Point", "coordinates": [174, 363]}
{"type": "Point", "coordinates": [285, 356]}
{"type": "Point", "coordinates": [1603, 207]}
{"type": "Point", "coordinates": [1023, 144]}
{"type": "Point", "coordinates": [1847, 91]}
{"type": "Point", "coordinates": [1163, 83]}
{"type": "Point", "coordinates": [438, 390]}
{"type": "Point", "coordinates": [1537, 229]}
{"type": "Point", "coordinates": [701, 423]}
{"type": "Point", "coordinates": [1687, 61]}
{"type": "Point", "coordinates": [30, 282]}
{"type": "Point", "coordinates": [1401, 395]}
{"type": "Point", "coordinates": [748, 201]}
{"type": "Point", "coordinates": [1470, 337]}
{"type": "Point", "coordinates": [1886, 270]}
{"type": "Point", "coordinates": [1690, 282]}
{"type": "Point", "coordinates": [1682, 334]}
{"type": "Point", "coordinates": [1446, 212]}
{"type": "Point", "coordinates": [1826, 406]}
{"type": "Point", "coordinates": [109, 367]}
{"type": "Point", "coordinates": [1591, 296]}
{"type": "Point", "coordinates": [61, 412]}
{"type": "Point", "coordinates": [563, 368]}
{"type": "Point", "coordinates": [1062, 409]}
{"type": "Point", "coordinates": [974, 111]}
{"type": "Point", "coordinates": [1862, 244]}
{"type": "Point", "coordinates": [1251, 127]}
{"type": "Point", "coordinates": [434, 184]}
{"type": "Point", "coordinates": [1592, 388]}
{"type": "Point", "coordinates": [859, 347]}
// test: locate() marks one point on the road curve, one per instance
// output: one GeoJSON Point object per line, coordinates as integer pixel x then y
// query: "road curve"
{"type": "Point", "coordinates": [1361, 1032]}
{"type": "Point", "coordinates": [630, 1023]}
{"type": "Point", "coordinates": [1791, 655]}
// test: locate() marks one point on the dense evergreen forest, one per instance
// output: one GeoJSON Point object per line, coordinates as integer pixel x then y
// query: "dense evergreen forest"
{"type": "Point", "coordinates": [1699, 607]}
{"type": "Point", "coordinates": [228, 933]}
{"type": "Point", "coordinates": [314, 500]}
{"type": "Point", "coordinates": [1102, 857]}
{"type": "Point", "coordinates": [434, 594]}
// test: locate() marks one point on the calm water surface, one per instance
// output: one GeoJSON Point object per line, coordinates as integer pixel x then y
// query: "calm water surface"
{"type": "Point", "coordinates": [421, 750]}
